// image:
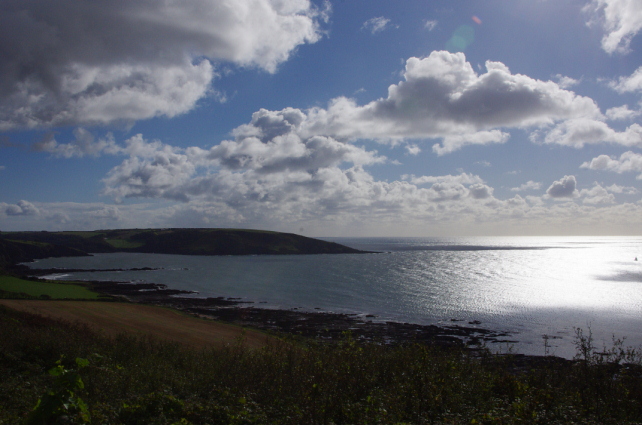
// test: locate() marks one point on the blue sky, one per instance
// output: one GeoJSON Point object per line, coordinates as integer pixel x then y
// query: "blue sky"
{"type": "Point", "coordinates": [336, 118]}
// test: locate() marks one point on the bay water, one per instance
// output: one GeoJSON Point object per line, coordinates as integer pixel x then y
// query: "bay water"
{"type": "Point", "coordinates": [529, 287]}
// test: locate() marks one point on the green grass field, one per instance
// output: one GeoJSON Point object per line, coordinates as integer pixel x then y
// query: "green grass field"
{"type": "Point", "coordinates": [53, 290]}
{"type": "Point", "coordinates": [123, 243]}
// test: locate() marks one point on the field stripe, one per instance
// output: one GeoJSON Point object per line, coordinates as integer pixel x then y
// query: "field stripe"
{"type": "Point", "coordinates": [114, 318]}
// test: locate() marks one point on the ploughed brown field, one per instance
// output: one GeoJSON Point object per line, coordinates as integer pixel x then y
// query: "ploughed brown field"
{"type": "Point", "coordinates": [114, 318]}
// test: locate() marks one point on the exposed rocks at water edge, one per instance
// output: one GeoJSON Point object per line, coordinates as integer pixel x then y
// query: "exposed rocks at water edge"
{"type": "Point", "coordinates": [326, 326]}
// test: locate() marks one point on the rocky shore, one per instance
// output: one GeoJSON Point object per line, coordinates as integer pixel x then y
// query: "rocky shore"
{"type": "Point", "coordinates": [322, 325]}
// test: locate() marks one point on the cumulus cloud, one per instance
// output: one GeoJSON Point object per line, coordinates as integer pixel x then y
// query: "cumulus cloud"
{"type": "Point", "coordinates": [463, 178]}
{"type": "Point", "coordinates": [149, 174]}
{"type": "Point", "coordinates": [480, 191]}
{"type": "Point", "coordinates": [620, 19]}
{"type": "Point", "coordinates": [621, 113]}
{"type": "Point", "coordinates": [628, 162]}
{"type": "Point", "coordinates": [563, 188]}
{"type": "Point", "coordinates": [529, 185]}
{"type": "Point", "coordinates": [21, 208]}
{"type": "Point", "coordinates": [71, 62]}
{"type": "Point", "coordinates": [334, 201]}
{"type": "Point", "coordinates": [627, 190]}
{"type": "Point", "coordinates": [456, 142]}
{"type": "Point", "coordinates": [585, 131]}
{"type": "Point", "coordinates": [84, 144]}
{"type": "Point", "coordinates": [376, 25]}
{"type": "Point", "coordinates": [270, 172]}
{"type": "Point", "coordinates": [566, 82]}
{"type": "Point", "coordinates": [413, 149]}
{"type": "Point", "coordinates": [631, 83]}
{"type": "Point", "coordinates": [267, 151]}
{"type": "Point", "coordinates": [345, 202]}
{"type": "Point", "coordinates": [272, 142]}
{"type": "Point", "coordinates": [596, 195]}
{"type": "Point", "coordinates": [443, 97]}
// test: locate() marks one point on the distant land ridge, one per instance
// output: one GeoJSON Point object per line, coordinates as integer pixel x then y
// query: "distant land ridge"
{"type": "Point", "coordinates": [24, 246]}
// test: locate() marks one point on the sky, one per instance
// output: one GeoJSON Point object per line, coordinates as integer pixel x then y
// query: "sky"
{"type": "Point", "coordinates": [323, 118]}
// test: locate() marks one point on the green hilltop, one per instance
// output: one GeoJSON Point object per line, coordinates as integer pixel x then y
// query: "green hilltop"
{"type": "Point", "coordinates": [23, 246]}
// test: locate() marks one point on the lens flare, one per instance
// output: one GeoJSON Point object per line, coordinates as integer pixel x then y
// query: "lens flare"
{"type": "Point", "coordinates": [462, 38]}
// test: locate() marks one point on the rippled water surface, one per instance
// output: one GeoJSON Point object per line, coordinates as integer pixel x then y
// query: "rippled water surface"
{"type": "Point", "coordinates": [527, 286]}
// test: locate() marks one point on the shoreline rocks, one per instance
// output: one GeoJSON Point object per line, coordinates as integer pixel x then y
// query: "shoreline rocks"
{"type": "Point", "coordinates": [324, 326]}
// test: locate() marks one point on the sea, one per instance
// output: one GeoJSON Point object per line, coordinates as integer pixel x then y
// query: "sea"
{"type": "Point", "coordinates": [538, 290]}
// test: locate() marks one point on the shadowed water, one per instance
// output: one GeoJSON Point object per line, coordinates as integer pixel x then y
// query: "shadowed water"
{"type": "Point", "coordinates": [527, 286]}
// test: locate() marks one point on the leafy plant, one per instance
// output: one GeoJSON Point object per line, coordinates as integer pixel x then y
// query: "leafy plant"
{"type": "Point", "coordinates": [62, 403]}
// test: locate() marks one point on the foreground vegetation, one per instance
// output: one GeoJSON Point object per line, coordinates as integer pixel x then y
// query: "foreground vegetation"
{"type": "Point", "coordinates": [73, 375]}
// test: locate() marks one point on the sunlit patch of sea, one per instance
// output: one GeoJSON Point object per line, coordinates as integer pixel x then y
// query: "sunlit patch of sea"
{"type": "Point", "coordinates": [529, 287]}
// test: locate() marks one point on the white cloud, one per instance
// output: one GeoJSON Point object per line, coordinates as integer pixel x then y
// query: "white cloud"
{"type": "Point", "coordinates": [463, 178]}
{"type": "Point", "coordinates": [265, 153]}
{"type": "Point", "coordinates": [563, 188]}
{"type": "Point", "coordinates": [631, 83]}
{"type": "Point", "coordinates": [334, 202]}
{"type": "Point", "coordinates": [84, 144]}
{"type": "Point", "coordinates": [629, 162]}
{"type": "Point", "coordinates": [627, 190]}
{"type": "Point", "coordinates": [529, 185]}
{"type": "Point", "coordinates": [150, 176]}
{"type": "Point", "coordinates": [21, 208]}
{"type": "Point", "coordinates": [269, 173]}
{"type": "Point", "coordinates": [346, 202]}
{"type": "Point", "coordinates": [413, 149]}
{"type": "Point", "coordinates": [443, 97]}
{"type": "Point", "coordinates": [376, 25]}
{"type": "Point", "coordinates": [621, 113]}
{"type": "Point", "coordinates": [620, 19]}
{"type": "Point", "coordinates": [70, 62]}
{"type": "Point", "coordinates": [597, 195]}
{"type": "Point", "coordinates": [453, 143]}
{"type": "Point", "coordinates": [582, 131]}
{"type": "Point", "coordinates": [430, 25]}
{"type": "Point", "coordinates": [2, 167]}
{"type": "Point", "coordinates": [566, 82]}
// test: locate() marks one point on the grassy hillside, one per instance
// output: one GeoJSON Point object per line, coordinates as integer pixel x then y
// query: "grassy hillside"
{"type": "Point", "coordinates": [176, 241]}
{"type": "Point", "coordinates": [19, 250]}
